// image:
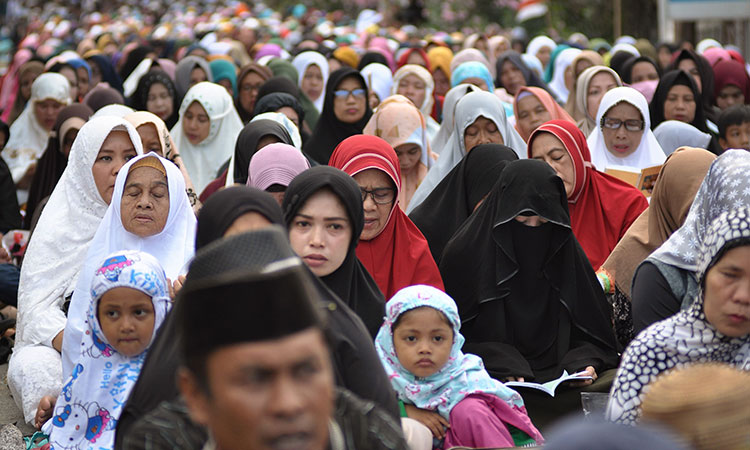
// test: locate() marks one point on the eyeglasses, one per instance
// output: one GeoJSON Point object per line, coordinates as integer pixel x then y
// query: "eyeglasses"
{"type": "Point", "coordinates": [381, 196]}
{"type": "Point", "coordinates": [630, 124]}
{"type": "Point", "coordinates": [343, 93]}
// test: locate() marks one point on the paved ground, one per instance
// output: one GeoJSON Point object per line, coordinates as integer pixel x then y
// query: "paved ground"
{"type": "Point", "coordinates": [9, 412]}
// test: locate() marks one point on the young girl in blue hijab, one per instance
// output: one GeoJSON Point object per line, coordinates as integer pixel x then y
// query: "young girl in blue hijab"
{"type": "Point", "coordinates": [419, 345]}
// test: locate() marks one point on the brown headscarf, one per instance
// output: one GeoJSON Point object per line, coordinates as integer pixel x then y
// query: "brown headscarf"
{"type": "Point", "coordinates": [678, 182]}
{"type": "Point", "coordinates": [264, 72]}
{"type": "Point", "coordinates": [587, 123]}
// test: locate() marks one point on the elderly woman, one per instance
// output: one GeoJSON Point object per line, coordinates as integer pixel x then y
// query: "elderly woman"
{"type": "Point", "coordinates": [716, 327]}
{"type": "Point", "coordinates": [150, 212]}
{"type": "Point", "coordinates": [56, 253]}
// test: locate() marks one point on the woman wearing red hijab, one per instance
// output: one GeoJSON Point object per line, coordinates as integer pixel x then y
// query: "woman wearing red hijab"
{"type": "Point", "coordinates": [391, 247]}
{"type": "Point", "coordinates": [602, 207]}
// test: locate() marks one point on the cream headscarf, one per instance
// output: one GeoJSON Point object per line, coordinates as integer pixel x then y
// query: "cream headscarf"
{"type": "Point", "coordinates": [204, 160]}
{"type": "Point", "coordinates": [426, 107]}
{"type": "Point", "coordinates": [588, 123]}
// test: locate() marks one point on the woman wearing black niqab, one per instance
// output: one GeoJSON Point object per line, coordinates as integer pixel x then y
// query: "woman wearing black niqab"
{"type": "Point", "coordinates": [529, 300]}
{"type": "Point", "coordinates": [330, 131]}
{"type": "Point", "coordinates": [459, 193]}
{"type": "Point", "coordinates": [350, 281]}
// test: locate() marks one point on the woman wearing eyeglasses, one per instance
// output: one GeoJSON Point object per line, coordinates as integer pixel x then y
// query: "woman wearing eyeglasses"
{"type": "Point", "coordinates": [623, 134]}
{"type": "Point", "coordinates": [391, 247]}
{"type": "Point", "coordinates": [602, 207]}
{"type": "Point", "coordinates": [345, 113]}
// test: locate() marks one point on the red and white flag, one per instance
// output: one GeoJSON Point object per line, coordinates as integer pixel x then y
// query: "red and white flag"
{"type": "Point", "coordinates": [529, 9]}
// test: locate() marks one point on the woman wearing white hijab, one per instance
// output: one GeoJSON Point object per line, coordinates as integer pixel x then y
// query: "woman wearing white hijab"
{"type": "Point", "coordinates": [541, 47]}
{"type": "Point", "coordinates": [302, 62]}
{"type": "Point", "coordinates": [55, 257]}
{"type": "Point", "coordinates": [379, 79]}
{"type": "Point", "coordinates": [449, 108]}
{"type": "Point", "coordinates": [472, 107]}
{"type": "Point", "coordinates": [604, 145]}
{"type": "Point", "coordinates": [204, 157]}
{"type": "Point", "coordinates": [50, 92]}
{"type": "Point", "coordinates": [173, 246]}
{"type": "Point", "coordinates": [563, 79]}
{"type": "Point", "coordinates": [404, 83]}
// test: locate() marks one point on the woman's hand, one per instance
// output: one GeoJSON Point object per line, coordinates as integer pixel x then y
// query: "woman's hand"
{"type": "Point", "coordinates": [590, 371]}
{"type": "Point", "coordinates": [431, 419]}
{"type": "Point", "coordinates": [175, 286]}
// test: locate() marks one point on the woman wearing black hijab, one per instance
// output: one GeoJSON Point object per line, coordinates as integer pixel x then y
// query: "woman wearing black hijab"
{"type": "Point", "coordinates": [253, 137]}
{"type": "Point", "coordinates": [355, 363]}
{"type": "Point", "coordinates": [282, 83]}
{"type": "Point", "coordinates": [700, 69]}
{"type": "Point", "coordinates": [145, 99]}
{"type": "Point", "coordinates": [529, 300]}
{"type": "Point", "coordinates": [345, 113]}
{"type": "Point", "coordinates": [673, 87]}
{"type": "Point", "coordinates": [459, 193]}
{"type": "Point", "coordinates": [530, 77]}
{"type": "Point", "coordinates": [636, 70]}
{"type": "Point", "coordinates": [106, 72]}
{"type": "Point", "coordinates": [660, 108]}
{"type": "Point", "coordinates": [350, 281]}
{"type": "Point", "coordinates": [275, 101]}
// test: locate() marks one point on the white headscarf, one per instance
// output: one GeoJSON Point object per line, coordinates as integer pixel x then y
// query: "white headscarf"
{"type": "Point", "coordinates": [673, 134]}
{"type": "Point", "coordinates": [301, 62]}
{"type": "Point", "coordinates": [426, 107]}
{"type": "Point", "coordinates": [173, 247]}
{"type": "Point", "coordinates": [469, 108]}
{"type": "Point", "coordinates": [379, 79]}
{"type": "Point", "coordinates": [705, 44]}
{"type": "Point", "coordinates": [95, 392]}
{"type": "Point", "coordinates": [538, 42]}
{"type": "Point", "coordinates": [28, 138]}
{"type": "Point", "coordinates": [563, 60]}
{"type": "Point", "coordinates": [449, 108]}
{"type": "Point", "coordinates": [648, 153]}
{"type": "Point", "coordinates": [62, 237]}
{"type": "Point", "coordinates": [202, 161]}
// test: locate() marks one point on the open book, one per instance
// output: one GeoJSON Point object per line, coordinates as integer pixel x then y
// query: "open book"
{"type": "Point", "coordinates": [550, 386]}
{"type": "Point", "coordinates": [643, 179]}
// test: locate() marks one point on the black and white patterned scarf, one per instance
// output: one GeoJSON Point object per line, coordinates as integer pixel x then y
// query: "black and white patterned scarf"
{"type": "Point", "coordinates": [685, 338]}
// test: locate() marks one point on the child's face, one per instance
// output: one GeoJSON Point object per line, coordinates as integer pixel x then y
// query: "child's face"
{"type": "Point", "coordinates": [737, 136]}
{"type": "Point", "coordinates": [423, 341]}
{"type": "Point", "coordinates": [126, 317]}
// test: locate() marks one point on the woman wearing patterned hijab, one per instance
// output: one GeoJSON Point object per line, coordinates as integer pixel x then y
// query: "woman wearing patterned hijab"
{"type": "Point", "coordinates": [716, 327]}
